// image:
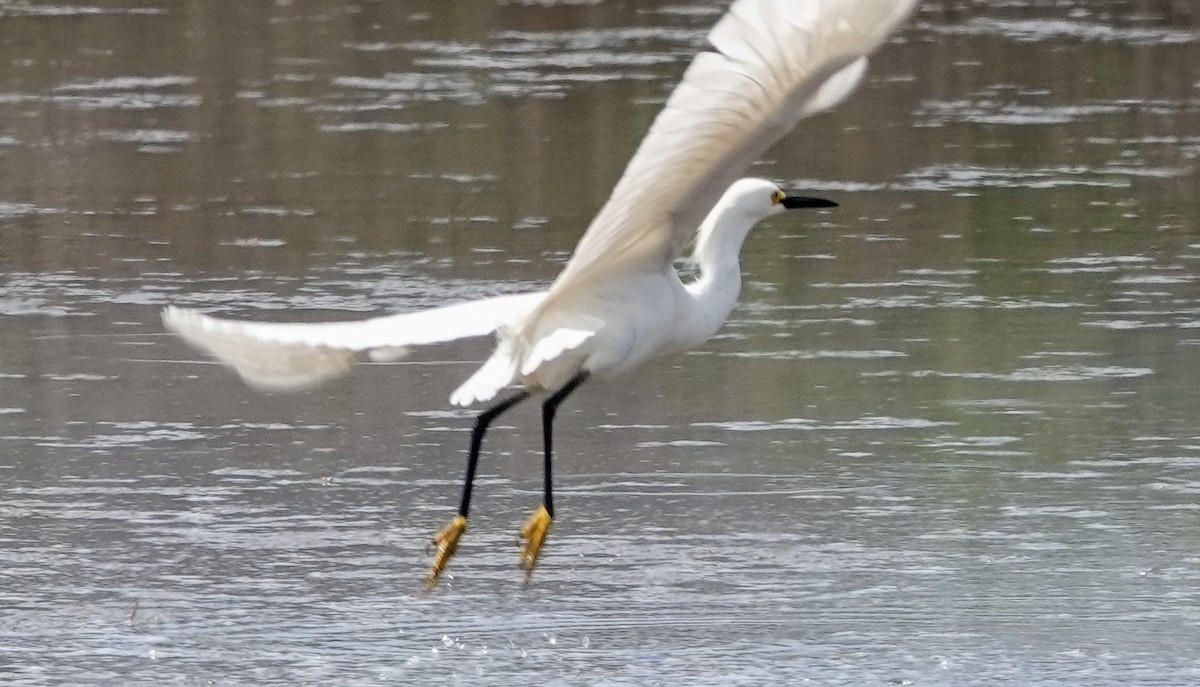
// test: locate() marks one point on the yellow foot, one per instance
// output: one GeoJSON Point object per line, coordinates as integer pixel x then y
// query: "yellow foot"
{"type": "Point", "coordinates": [446, 541]}
{"type": "Point", "coordinates": [534, 533]}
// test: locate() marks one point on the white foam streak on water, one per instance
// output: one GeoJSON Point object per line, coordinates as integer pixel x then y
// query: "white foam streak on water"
{"type": "Point", "coordinates": [1041, 30]}
{"type": "Point", "coordinates": [865, 423]}
{"type": "Point", "coordinates": [1048, 373]}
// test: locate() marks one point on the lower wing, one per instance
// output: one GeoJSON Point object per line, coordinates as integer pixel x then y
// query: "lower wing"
{"type": "Point", "coordinates": [295, 355]}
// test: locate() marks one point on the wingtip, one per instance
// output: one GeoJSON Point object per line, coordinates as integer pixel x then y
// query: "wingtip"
{"type": "Point", "coordinates": [171, 316]}
{"type": "Point", "coordinates": [177, 319]}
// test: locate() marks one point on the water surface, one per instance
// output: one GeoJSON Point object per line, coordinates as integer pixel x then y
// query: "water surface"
{"type": "Point", "coordinates": [948, 437]}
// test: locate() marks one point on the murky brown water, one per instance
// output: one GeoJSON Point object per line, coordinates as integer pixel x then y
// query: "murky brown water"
{"type": "Point", "coordinates": [950, 437]}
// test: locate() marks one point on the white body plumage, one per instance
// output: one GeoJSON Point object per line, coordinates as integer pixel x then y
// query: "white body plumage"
{"type": "Point", "coordinates": [618, 324]}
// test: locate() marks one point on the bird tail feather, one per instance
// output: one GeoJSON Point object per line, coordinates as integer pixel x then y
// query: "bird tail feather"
{"type": "Point", "coordinates": [505, 367]}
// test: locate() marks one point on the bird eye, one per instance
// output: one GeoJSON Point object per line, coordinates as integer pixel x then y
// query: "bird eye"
{"type": "Point", "coordinates": [777, 197]}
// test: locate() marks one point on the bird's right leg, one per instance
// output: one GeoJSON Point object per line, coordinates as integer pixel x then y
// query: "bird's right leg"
{"type": "Point", "coordinates": [446, 539]}
{"type": "Point", "coordinates": [535, 528]}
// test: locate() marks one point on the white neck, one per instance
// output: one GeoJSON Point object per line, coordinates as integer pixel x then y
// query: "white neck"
{"type": "Point", "coordinates": [718, 244]}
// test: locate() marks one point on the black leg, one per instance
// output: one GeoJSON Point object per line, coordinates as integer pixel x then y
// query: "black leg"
{"type": "Point", "coordinates": [481, 424]}
{"type": "Point", "coordinates": [535, 528]}
{"type": "Point", "coordinates": [549, 407]}
{"type": "Point", "coordinates": [446, 539]}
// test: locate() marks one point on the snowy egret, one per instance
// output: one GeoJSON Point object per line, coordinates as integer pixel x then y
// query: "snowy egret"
{"type": "Point", "coordinates": [619, 301]}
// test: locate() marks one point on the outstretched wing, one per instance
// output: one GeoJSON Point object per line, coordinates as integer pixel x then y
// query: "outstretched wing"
{"type": "Point", "coordinates": [287, 356]}
{"type": "Point", "coordinates": [772, 63]}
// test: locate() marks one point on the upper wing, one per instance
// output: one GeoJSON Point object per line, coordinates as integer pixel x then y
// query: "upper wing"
{"type": "Point", "coordinates": [284, 356]}
{"type": "Point", "coordinates": [773, 63]}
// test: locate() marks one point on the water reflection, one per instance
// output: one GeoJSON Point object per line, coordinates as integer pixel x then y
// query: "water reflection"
{"type": "Point", "coordinates": [949, 435]}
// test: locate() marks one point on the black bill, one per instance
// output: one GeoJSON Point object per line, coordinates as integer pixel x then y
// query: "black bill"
{"type": "Point", "coordinates": [793, 202]}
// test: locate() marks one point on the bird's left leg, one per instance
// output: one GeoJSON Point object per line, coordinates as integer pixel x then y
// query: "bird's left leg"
{"type": "Point", "coordinates": [535, 528]}
{"type": "Point", "coordinates": [446, 539]}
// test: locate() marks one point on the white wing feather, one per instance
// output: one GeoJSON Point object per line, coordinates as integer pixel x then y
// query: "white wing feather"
{"type": "Point", "coordinates": [773, 62]}
{"type": "Point", "coordinates": [287, 356]}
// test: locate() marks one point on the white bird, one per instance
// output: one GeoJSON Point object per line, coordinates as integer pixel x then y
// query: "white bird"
{"type": "Point", "coordinates": [619, 301]}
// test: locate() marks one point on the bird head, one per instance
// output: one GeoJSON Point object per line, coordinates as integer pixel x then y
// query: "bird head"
{"type": "Point", "coordinates": [760, 198]}
{"type": "Point", "coordinates": [741, 207]}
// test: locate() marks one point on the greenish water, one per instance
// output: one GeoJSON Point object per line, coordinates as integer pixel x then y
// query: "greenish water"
{"type": "Point", "coordinates": [949, 436]}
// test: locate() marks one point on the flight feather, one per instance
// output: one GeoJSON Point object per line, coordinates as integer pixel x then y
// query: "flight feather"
{"type": "Point", "coordinates": [771, 63]}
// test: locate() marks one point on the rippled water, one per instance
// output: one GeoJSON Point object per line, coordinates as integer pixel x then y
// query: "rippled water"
{"type": "Point", "coordinates": [949, 437]}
